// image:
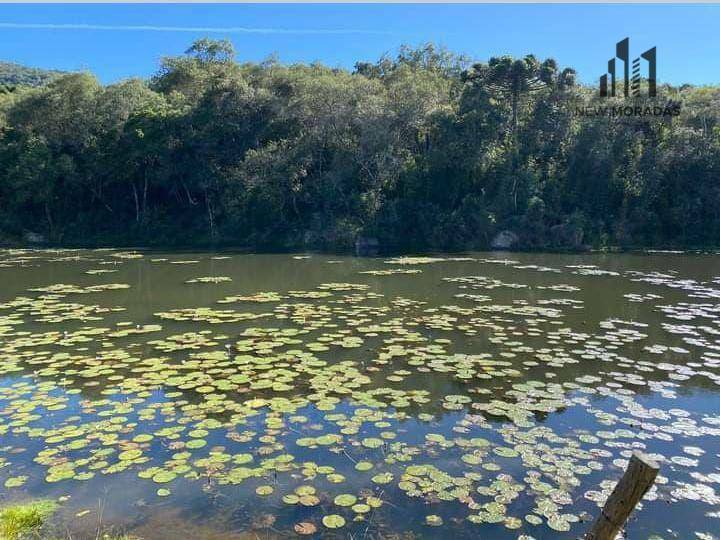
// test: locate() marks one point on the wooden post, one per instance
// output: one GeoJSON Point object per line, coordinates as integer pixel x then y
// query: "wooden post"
{"type": "Point", "coordinates": [638, 478]}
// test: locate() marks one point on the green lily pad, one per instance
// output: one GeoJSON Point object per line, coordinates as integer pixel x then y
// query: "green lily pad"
{"type": "Point", "coordinates": [333, 521]}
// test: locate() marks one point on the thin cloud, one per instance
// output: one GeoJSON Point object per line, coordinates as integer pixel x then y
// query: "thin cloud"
{"type": "Point", "coordinates": [193, 29]}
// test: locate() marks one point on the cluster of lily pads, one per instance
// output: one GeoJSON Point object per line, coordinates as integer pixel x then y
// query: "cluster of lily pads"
{"type": "Point", "coordinates": [345, 401]}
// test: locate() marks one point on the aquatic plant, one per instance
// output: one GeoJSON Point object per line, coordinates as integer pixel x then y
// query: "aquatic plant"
{"type": "Point", "coordinates": [344, 401]}
{"type": "Point", "coordinates": [20, 519]}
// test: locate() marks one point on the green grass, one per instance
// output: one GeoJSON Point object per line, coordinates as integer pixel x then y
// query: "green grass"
{"type": "Point", "coordinates": [19, 519]}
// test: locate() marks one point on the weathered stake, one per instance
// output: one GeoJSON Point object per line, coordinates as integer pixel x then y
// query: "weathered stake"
{"type": "Point", "coordinates": [633, 485]}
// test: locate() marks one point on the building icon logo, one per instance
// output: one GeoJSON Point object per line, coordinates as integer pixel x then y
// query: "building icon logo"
{"type": "Point", "coordinates": [622, 52]}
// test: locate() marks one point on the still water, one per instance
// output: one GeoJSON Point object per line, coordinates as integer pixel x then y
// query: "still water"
{"type": "Point", "coordinates": [232, 396]}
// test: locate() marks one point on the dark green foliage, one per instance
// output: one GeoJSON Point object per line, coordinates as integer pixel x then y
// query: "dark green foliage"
{"type": "Point", "coordinates": [421, 151]}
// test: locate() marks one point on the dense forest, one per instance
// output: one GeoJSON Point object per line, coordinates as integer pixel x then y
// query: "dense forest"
{"type": "Point", "coordinates": [421, 150]}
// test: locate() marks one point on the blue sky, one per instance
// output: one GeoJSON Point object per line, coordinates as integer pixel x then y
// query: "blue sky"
{"type": "Point", "coordinates": [117, 41]}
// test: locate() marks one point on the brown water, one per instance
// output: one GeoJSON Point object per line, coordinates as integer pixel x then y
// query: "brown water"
{"type": "Point", "coordinates": [489, 395]}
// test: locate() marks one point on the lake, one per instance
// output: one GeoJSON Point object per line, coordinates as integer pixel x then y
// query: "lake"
{"type": "Point", "coordinates": [222, 395]}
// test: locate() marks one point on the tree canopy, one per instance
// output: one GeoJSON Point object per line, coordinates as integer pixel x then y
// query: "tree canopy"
{"type": "Point", "coordinates": [421, 150]}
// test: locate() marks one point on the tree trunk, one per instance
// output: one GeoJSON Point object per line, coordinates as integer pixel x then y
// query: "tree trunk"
{"type": "Point", "coordinates": [211, 217]}
{"type": "Point", "coordinates": [187, 193]}
{"type": "Point", "coordinates": [515, 105]}
{"type": "Point", "coordinates": [48, 216]}
{"type": "Point", "coordinates": [137, 203]}
{"type": "Point", "coordinates": [145, 196]}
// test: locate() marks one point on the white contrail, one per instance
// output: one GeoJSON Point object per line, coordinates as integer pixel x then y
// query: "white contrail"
{"type": "Point", "coordinates": [196, 29]}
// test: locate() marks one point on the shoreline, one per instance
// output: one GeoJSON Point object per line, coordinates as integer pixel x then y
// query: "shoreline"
{"type": "Point", "coordinates": [383, 252]}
